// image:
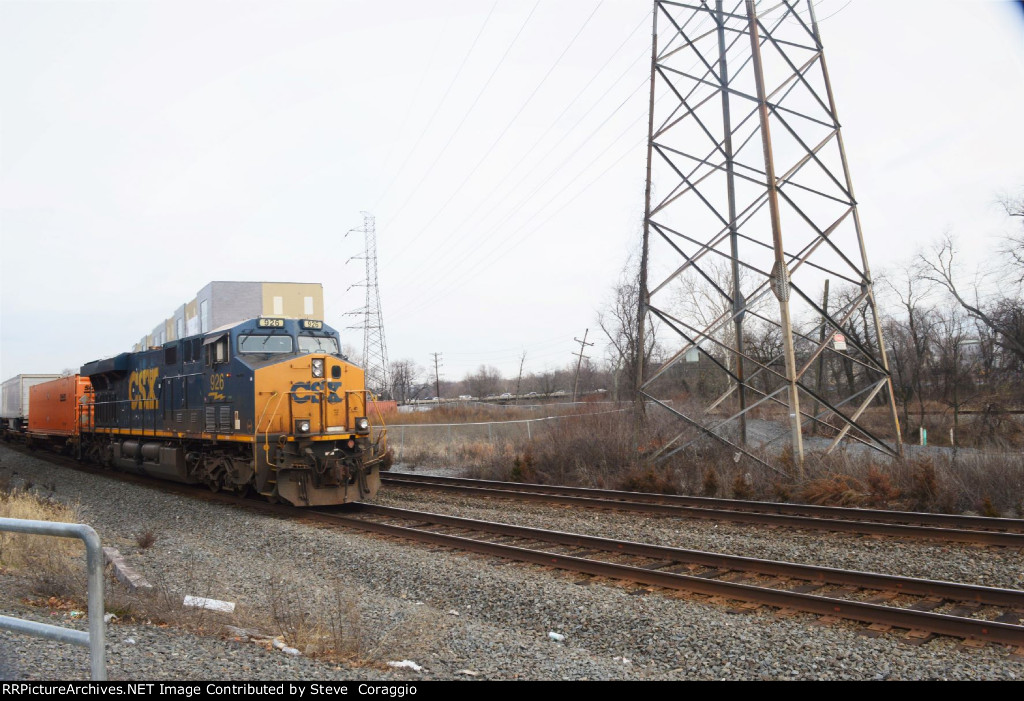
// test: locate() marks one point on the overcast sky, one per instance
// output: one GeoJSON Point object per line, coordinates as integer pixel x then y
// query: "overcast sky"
{"type": "Point", "coordinates": [147, 148]}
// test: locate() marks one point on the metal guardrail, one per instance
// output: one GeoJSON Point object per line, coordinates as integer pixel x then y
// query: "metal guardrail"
{"type": "Point", "coordinates": [95, 639]}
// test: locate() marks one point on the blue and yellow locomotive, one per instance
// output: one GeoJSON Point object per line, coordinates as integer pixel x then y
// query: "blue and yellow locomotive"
{"type": "Point", "coordinates": [269, 404]}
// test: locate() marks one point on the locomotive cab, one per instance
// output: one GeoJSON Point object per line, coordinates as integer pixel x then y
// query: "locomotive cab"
{"type": "Point", "coordinates": [310, 409]}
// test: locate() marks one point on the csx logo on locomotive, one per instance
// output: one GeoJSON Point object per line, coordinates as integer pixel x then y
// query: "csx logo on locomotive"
{"type": "Point", "coordinates": [299, 390]}
{"type": "Point", "coordinates": [142, 389]}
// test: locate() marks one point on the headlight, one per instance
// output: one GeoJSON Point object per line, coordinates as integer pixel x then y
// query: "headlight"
{"type": "Point", "coordinates": [362, 425]}
{"type": "Point", "coordinates": [318, 367]}
{"type": "Point", "coordinates": [302, 426]}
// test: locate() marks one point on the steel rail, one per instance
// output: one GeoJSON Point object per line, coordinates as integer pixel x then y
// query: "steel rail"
{"type": "Point", "coordinates": [943, 624]}
{"type": "Point", "coordinates": [869, 521]}
{"type": "Point", "coordinates": [812, 573]}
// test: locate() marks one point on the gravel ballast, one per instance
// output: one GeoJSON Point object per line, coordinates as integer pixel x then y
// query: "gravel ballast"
{"type": "Point", "coordinates": [460, 616]}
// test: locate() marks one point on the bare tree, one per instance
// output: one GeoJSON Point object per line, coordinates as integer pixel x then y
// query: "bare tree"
{"type": "Point", "coordinates": [955, 367]}
{"type": "Point", "coordinates": [911, 340]}
{"type": "Point", "coordinates": [620, 324]}
{"type": "Point", "coordinates": [1001, 315]}
{"type": "Point", "coordinates": [485, 381]}
{"type": "Point", "coordinates": [763, 343]}
{"type": "Point", "coordinates": [404, 375]}
{"type": "Point", "coordinates": [1013, 244]}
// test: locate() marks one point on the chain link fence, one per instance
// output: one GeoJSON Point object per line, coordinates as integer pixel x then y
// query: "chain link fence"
{"type": "Point", "coordinates": [427, 442]}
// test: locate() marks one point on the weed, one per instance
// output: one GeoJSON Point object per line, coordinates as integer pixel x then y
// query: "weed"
{"type": "Point", "coordinates": [741, 487]}
{"type": "Point", "coordinates": [709, 487]}
{"type": "Point", "coordinates": [55, 566]}
{"type": "Point", "coordinates": [879, 487]}
{"type": "Point", "coordinates": [987, 509]}
{"type": "Point", "coordinates": [836, 490]}
{"type": "Point", "coordinates": [781, 491]}
{"type": "Point", "coordinates": [324, 625]}
{"type": "Point", "coordinates": [522, 469]}
{"type": "Point", "coordinates": [924, 484]}
{"type": "Point", "coordinates": [649, 479]}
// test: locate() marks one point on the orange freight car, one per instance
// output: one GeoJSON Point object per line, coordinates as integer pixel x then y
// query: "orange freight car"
{"type": "Point", "coordinates": [60, 407]}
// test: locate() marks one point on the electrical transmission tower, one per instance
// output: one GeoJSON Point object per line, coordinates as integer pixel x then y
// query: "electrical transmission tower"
{"type": "Point", "coordinates": [750, 211]}
{"type": "Point", "coordinates": [375, 351]}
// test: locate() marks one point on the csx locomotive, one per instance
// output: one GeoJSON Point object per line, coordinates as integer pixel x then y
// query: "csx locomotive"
{"type": "Point", "coordinates": [269, 404]}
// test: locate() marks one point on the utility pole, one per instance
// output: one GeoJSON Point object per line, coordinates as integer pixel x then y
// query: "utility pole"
{"type": "Point", "coordinates": [583, 343]}
{"type": "Point", "coordinates": [522, 360]}
{"type": "Point", "coordinates": [437, 375]}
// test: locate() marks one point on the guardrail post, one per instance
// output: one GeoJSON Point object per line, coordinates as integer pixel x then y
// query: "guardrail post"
{"type": "Point", "coordinates": [95, 639]}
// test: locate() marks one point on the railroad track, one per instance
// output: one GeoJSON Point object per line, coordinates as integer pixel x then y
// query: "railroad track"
{"type": "Point", "coordinates": [888, 603]}
{"type": "Point", "coordinates": [922, 607]}
{"type": "Point", "coordinates": [907, 524]}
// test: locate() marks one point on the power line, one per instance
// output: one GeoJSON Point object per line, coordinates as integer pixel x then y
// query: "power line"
{"type": "Point", "coordinates": [508, 125]}
{"type": "Point", "coordinates": [492, 253]}
{"type": "Point", "coordinates": [508, 172]}
{"type": "Point", "coordinates": [440, 103]}
{"type": "Point", "coordinates": [502, 245]}
{"type": "Point", "coordinates": [419, 87]}
{"type": "Point", "coordinates": [465, 116]}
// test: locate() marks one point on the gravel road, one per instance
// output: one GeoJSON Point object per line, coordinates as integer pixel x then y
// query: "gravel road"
{"type": "Point", "coordinates": [461, 616]}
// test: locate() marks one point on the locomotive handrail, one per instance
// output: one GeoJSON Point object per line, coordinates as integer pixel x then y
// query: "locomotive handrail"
{"type": "Point", "coordinates": [270, 421]}
{"type": "Point", "coordinates": [260, 420]}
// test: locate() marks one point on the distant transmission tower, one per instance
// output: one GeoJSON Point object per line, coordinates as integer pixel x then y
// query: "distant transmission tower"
{"type": "Point", "coordinates": [375, 352]}
{"type": "Point", "coordinates": [750, 211]}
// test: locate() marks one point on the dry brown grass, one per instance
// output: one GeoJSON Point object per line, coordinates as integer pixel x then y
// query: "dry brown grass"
{"type": "Point", "coordinates": [464, 413]}
{"type": "Point", "coordinates": [834, 490]}
{"type": "Point", "coordinates": [649, 479]}
{"type": "Point", "coordinates": [325, 624]}
{"type": "Point", "coordinates": [53, 566]}
{"type": "Point", "coordinates": [319, 620]}
{"type": "Point", "coordinates": [599, 451]}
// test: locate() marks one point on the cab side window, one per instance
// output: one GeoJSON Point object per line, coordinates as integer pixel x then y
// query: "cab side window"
{"type": "Point", "coordinates": [217, 352]}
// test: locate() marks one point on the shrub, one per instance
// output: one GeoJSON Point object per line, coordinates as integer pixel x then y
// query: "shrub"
{"type": "Point", "coordinates": [649, 479]}
{"type": "Point", "coordinates": [741, 487]}
{"type": "Point", "coordinates": [836, 490]}
{"type": "Point", "coordinates": [709, 487]}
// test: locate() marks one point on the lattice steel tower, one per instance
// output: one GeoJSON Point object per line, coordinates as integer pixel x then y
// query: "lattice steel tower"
{"type": "Point", "coordinates": [375, 352]}
{"type": "Point", "coordinates": [750, 211]}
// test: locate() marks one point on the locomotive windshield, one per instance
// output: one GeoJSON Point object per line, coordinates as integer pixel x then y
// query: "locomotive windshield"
{"type": "Point", "coordinates": [265, 343]}
{"type": "Point", "coordinates": [318, 344]}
